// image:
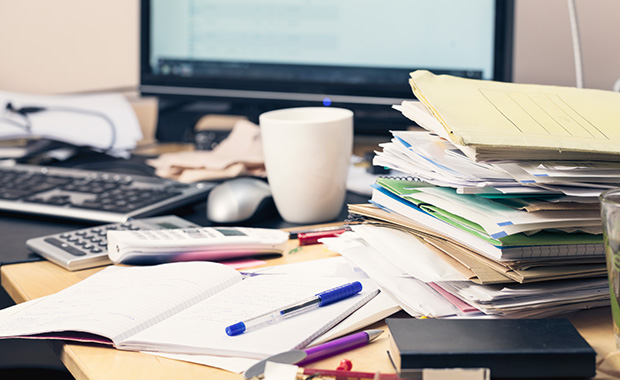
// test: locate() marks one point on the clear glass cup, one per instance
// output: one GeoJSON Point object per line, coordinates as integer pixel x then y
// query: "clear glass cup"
{"type": "Point", "coordinates": [610, 213]}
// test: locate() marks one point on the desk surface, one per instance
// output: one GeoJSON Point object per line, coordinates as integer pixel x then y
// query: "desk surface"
{"type": "Point", "coordinates": [86, 361]}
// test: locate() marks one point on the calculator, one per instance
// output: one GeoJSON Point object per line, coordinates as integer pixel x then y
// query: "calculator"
{"type": "Point", "coordinates": [87, 247]}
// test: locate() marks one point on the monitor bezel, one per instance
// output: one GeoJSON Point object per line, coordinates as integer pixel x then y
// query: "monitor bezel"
{"type": "Point", "coordinates": [284, 94]}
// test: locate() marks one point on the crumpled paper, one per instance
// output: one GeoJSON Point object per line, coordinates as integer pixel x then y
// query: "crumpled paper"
{"type": "Point", "coordinates": [240, 154]}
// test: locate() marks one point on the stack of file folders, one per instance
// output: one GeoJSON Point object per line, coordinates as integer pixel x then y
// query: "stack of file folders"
{"type": "Point", "coordinates": [499, 215]}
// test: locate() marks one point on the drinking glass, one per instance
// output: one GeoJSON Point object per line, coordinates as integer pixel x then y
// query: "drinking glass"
{"type": "Point", "coordinates": [610, 213]}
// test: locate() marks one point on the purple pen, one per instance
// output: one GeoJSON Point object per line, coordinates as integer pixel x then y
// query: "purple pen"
{"type": "Point", "coordinates": [338, 346]}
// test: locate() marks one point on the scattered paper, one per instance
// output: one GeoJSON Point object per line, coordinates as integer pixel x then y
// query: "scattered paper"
{"type": "Point", "coordinates": [105, 122]}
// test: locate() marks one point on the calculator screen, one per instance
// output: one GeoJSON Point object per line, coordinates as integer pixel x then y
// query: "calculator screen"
{"type": "Point", "coordinates": [230, 232]}
{"type": "Point", "coordinates": [167, 225]}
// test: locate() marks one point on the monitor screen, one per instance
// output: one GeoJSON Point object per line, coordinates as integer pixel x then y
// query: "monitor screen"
{"type": "Point", "coordinates": [246, 57]}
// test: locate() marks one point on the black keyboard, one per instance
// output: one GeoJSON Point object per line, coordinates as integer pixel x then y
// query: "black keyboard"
{"type": "Point", "coordinates": [91, 195]}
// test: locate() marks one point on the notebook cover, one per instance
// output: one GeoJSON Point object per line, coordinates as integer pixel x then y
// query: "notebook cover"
{"type": "Point", "coordinates": [510, 348]}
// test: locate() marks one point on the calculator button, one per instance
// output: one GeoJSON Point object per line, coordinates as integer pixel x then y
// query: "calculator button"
{"type": "Point", "coordinates": [64, 246]}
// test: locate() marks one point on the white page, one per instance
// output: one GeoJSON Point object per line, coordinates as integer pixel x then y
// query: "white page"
{"type": "Point", "coordinates": [541, 173]}
{"type": "Point", "coordinates": [575, 191]}
{"type": "Point", "coordinates": [75, 119]}
{"type": "Point", "coordinates": [8, 312]}
{"type": "Point", "coordinates": [120, 300]}
{"type": "Point", "coordinates": [487, 294]}
{"type": "Point", "coordinates": [329, 267]}
{"type": "Point", "coordinates": [201, 328]}
{"type": "Point", "coordinates": [529, 300]}
{"type": "Point", "coordinates": [280, 371]}
{"type": "Point", "coordinates": [393, 156]}
{"type": "Point", "coordinates": [440, 154]}
{"type": "Point", "coordinates": [377, 309]}
{"type": "Point", "coordinates": [507, 190]}
{"type": "Point", "coordinates": [416, 111]}
{"type": "Point", "coordinates": [414, 296]}
{"type": "Point", "coordinates": [408, 253]}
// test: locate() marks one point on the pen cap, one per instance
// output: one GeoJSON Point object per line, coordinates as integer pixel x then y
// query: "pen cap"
{"type": "Point", "coordinates": [341, 292]}
{"type": "Point", "coordinates": [236, 329]}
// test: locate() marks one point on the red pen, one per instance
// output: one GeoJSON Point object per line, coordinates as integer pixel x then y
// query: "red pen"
{"type": "Point", "coordinates": [308, 238]}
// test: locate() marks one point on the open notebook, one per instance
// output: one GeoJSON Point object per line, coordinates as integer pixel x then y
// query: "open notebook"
{"type": "Point", "coordinates": [181, 308]}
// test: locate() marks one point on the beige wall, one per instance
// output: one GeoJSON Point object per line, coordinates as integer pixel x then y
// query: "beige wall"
{"type": "Point", "coordinates": [543, 43]}
{"type": "Point", "coordinates": [54, 46]}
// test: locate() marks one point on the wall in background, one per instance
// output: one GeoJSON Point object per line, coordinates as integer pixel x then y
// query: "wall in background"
{"type": "Point", "coordinates": [68, 45]}
{"type": "Point", "coordinates": [543, 44]}
{"type": "Point", "coordinates": [75, 45]}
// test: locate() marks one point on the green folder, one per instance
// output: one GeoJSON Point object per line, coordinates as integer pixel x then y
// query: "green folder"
{"type": "Point", "coordinates": [406, 191]}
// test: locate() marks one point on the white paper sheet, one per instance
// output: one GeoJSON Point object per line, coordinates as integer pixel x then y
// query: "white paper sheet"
{"type": "Point", "coordinates": [414, 296]}
{"type": "Point", "coordinates": [99, 121]}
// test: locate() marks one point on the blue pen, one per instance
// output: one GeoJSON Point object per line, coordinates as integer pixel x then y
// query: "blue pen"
{"type": "Point", "coordinates": [321, 299]}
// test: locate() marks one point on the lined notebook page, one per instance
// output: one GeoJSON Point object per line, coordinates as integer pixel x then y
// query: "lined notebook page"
{"type": "Point", "coordinates": [120, 300]}
{"type": "Point", "coordinates": [200, 329]}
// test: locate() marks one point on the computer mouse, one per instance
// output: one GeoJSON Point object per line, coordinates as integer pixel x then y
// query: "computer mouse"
{"type": "Point", "coordinates": [238, 199]}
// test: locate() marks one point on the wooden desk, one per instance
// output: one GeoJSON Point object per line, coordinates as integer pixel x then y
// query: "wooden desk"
{"type": "Point", "coordinates": [86, 361]}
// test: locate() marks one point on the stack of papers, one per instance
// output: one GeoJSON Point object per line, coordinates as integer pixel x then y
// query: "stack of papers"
{"type": "Point", "coordinates": [433, 159]}
{"type": "Point", "coordinates": [422, 285]}
{"type": "Point", "coordinates": [498, 212]}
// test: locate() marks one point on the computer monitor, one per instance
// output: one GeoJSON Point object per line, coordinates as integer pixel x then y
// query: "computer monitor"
{"type": "Point", "coordinates": [246, 57]}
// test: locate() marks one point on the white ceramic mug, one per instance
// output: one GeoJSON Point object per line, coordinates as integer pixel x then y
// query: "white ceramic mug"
{"type": "Point", "coordinates": [307, 154]}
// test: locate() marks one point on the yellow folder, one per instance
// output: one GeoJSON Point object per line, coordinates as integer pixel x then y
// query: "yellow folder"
{"type": "Point", "coordinates": [522, 121]}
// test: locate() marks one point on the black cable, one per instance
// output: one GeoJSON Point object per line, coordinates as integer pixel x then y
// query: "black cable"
{"type": "Point", "coordinates": [16, 124]}
{"type": "Point", "coordinates": [23, 112]}
{"type": "Point", "coordinates": [27, 110]}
